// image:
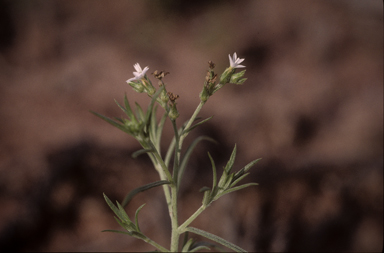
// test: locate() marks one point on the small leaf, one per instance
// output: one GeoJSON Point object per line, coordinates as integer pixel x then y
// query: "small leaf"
{"type": "Point", "coordinates": [235, 189]}
{"type": "Point", "coordinates": [215, 238]}
{"type": "Point", "coordinates": [196, 125]}
{"type": "Point", "coordinates": [113, 207]}
{"type": "Point", "coordinates": [188, 153]}
{"type": "Point", "coordinates": [131, 194]}
{"type": "Point", "coordinates": [139, 112]}
{"type": "Point", "coordinates": [123, 214]}
{"type": "Point", "coordinates": [160, 129]}
{"type": "Point", "coordinates": [117, 231]}
{"type": "Point", "coordinates": [235, 181]}
{"type": "Point", "coordinates": [206, 199]}
{"type": "Point", "coordinates": [187, 245]}
{"type": "Point", "coordinates": [214, 183]}
{"type": "Point", "coordinates": [150, 107]}
{"type": "Point", "coordinates": [231, 161]}
{"type": "Point", "coordinates": [137, 217]}
{"type": "Point", "coordinates": [113, 123]}
{"type": "Point", "coordinates": [128, 109]}
{"type": "Point", "coordinates": [142, 151]}
{"type": "Point", "coordinates": [204, 188]}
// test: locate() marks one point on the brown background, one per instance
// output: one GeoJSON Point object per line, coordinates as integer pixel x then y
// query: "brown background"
{"type": "Point", "coordinates": [312, 108]}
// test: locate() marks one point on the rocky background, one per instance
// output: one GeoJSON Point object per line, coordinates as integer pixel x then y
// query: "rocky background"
{"type": "Point", "coordinates": [312, 108]}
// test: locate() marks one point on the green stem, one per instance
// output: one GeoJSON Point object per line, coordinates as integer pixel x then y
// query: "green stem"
{"type": "Point", "coordinates": [153, 243]}
{"type": "Point", "coordinates": [174, 220]}
{"type": "Point", "coordinates": [191, 219]}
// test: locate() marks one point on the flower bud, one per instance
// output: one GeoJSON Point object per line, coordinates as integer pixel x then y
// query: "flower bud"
{"type": "Point", "coordinates": [204, 94]}
{"type": "Point", "coordinates": [235, 78]}
{"type": "Point", "coordinates": [173, 113]}
{"type": "Point", "coordinates": [148, 86]}
{"type": "Point", "coordinates": [226, 76]}
{"type": "Point", "coordinates": [138, 87]}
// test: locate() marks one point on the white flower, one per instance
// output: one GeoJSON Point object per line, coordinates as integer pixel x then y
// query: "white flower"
{"type": "Point", "coordinates": [139, 73]}
{"type": "Point", "coordinates": [235, 62]}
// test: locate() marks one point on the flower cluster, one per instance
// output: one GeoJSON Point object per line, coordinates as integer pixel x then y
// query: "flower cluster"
{"type": "Point", "coordinates": [228, 76]}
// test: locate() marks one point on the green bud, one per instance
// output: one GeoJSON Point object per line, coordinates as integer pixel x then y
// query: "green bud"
{"type": "Point", "coordinates": [204, 94]}
{"type": "Point", "coordinates": [226, 76]}
{"type": "Point", "coordinates": [138, 87]}
{"type": "Point", "coordinates": [235, 78]}
{"type": "Point", "coordinates": [148, 86]}
{"type": "Point", "coordinates": [173, 113]}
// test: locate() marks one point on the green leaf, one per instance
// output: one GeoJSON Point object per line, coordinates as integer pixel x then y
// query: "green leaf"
{"type": "Point", "coordinates": [187, 245]}
{"type": "Point", "coordinates": [214, 183]}
{"type": "Point", "coordinates": [196, 125]}
{"type": "Point", "coordinates": [137, 217]}
{"type": "Point", "coordinates": [123, 109]}
{"type": "Point", "coordinates": [188, 153]}
{"type": "Point", "coordinates": [160, 129]}
{"type": "Point", "coordinates": [117, 231]}
{"type": "Point", "coordinates": [131, 194]}
{"type": "Point", "coordinates": [150, 107]}
{"type": "Point", "coordinates": [235, 181]}
{"type": "Point", "coordinates": [142, 151]}
{"type": "Point", "coordinates": [123, 214]}
{"type": "Point", "coordinates": [235, 189]}
{"type": "Point", "coordinates": [113, 123]}
{"type": "Point", "coordinates": [128, 109]}
{"type": "Point", "coordinates": [113, 207]}
{"type": "Point", "coordinates": [231, 161]}
{"type": "Point", "coordinates": [215, 238]}
{"type": "Point", "coordinates": [204, 189]}
{"type": "Point", "coordinates": [194, 249]}
{"type": "Point", "coordinates": [246, 168]}
{"type": "Point", "coordinates": [139, 112]}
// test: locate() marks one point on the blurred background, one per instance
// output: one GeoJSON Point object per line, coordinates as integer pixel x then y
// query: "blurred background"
{"type": "Point", "coordinates": [312, 108]}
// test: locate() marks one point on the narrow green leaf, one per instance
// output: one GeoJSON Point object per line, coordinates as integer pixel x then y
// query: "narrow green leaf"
{"type": "Point", "coordinates": [250, 165]}
{"type": "Point", "coordinates": [204, 188]}
{"type": "Point", "coordinates": [117, 231]}
{"type": "Point", "coordinates": [185, 238]}
{"type": "Point", "coordinates": [235, 189]}
{"type": "Point", "coordinates": [231, 161]}
{"type": "Point", "coordinates": [139, 112]}
{"type": "Point", "coordinates": [206, 199]}
{"type": "Point", "coordinates": [160, 128]}
{"type": "Point", "coordinates": [142, 151]}
{"type": "Point", "coordinates": [137, 217]}
{"type": "Point", "coordinates": [150, 107]}
{"type": "Point", "coordinates": [199, 248]}
{"type": "Point", "coordinates": [153, 126]}
{"type": "Point", "coordinates": [123, 214]}
{"type": "Point", "coordinates": [112, 122]}
{"type": "Point", "coordinates": [202, 245]}
{"type": "Point", "coordinates": [125, 225]}
{"type": "Point", "coordinates": [128, 109]}
{"type": "Point", "coordinates": [188, 153]}
{"type": "Point", "coordinates": [187, 245]}
{"type": "Point", "coordinates": [131, 194]}
{"type": "Point", "coordinates": [119, 119]}
{"type": "Point", "coordinates": [235, 181]}
{"type": "Point", "coordinates": [129, 114]}
{"type": "Point", "coordinates": [113, 207]}
{"type": "Point", "coordinates": [196, 125]}
{"type": "Point", "coordinates": [214, 183]}
{"type": "Point", "coordinates": [215, 238]}
{"type": "Point", "coordinates": [170, 150]}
